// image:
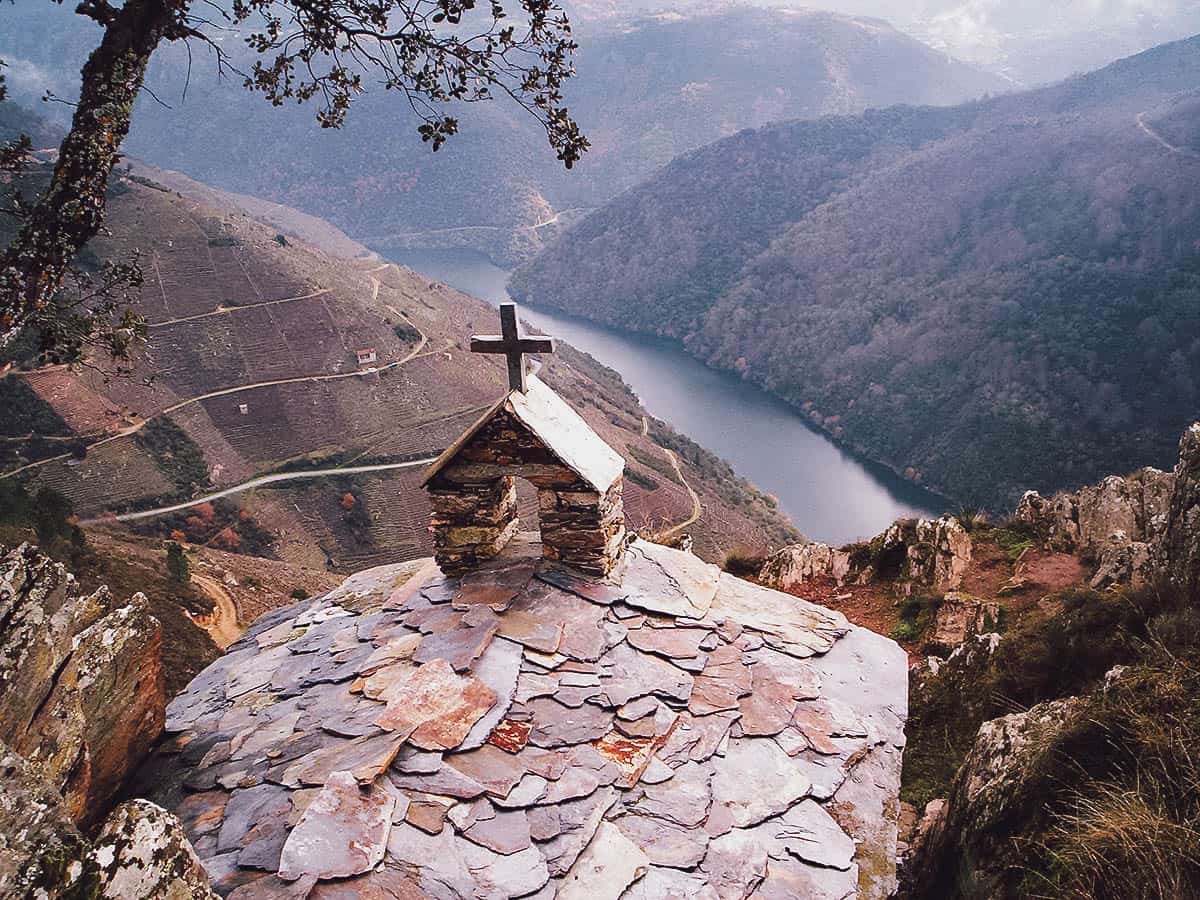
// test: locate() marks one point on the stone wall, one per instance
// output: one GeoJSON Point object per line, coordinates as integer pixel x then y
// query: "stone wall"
{"type": "Point", "coordinates": [583, 529]}
{"type": "Point", "coordinates": [472, 522]}
{"type": "Point", "coordinates": [475, 503]}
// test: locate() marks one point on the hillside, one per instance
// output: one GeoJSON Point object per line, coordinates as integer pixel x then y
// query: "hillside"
{"type": "Point", "coordinates": [988, 297]}
{"type": "Point", "coordinates": [251, 369]}
{"type": "Point", "coordinates": [644, 93]}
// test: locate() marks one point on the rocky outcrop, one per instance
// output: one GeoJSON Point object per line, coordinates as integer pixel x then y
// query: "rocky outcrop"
{"type": "Point", "coordinates": [81, 702]}
{"type": "Point", "coordinates": [1178, 549]}
{"type": "Point", "coordinates": [960, 855]}
{"type": "Point", "coordinates": [1117, 522]}
{"type": "Point", "coordinates": [930, 552]}
{"type": "Point", "coordinates": [141, 851]}
{"type": "Point", "coordinates": [796, 564]}
{"type": "Point", "coordinates": [81, 690]}
{"type": "Point", "coordinates": [960, 616]}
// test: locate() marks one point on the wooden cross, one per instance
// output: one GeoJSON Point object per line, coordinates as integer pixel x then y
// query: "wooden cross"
{"type": "Point", "coordinates": [514, 344]}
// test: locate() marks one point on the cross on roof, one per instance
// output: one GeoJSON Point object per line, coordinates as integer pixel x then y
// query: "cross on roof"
{"type": "Point", "coordinates": [513, 343]}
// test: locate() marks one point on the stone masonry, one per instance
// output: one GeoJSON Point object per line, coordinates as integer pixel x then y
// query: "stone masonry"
{"type": "Point", "coordinates": [534, 436]}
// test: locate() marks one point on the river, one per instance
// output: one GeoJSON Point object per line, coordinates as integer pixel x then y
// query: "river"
{"type": "Point", "coordinates": [830, 495]}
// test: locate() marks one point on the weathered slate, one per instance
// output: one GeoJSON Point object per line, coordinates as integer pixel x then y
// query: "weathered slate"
{"type": "Point", "coordinates": [434, 708]}
{"type": "Point", "coordinates": [343, 832]}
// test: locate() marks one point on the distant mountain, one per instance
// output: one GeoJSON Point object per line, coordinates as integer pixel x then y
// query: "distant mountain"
{"type": "Point", "coordinates": [647, 89]}
{"type": "Point", "coordinates": [990, 297]}
{"type": "Point", "coordinates": [268, 355]}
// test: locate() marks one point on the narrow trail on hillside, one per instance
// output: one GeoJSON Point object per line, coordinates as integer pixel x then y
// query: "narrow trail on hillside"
{"type": "Point", "coordinates": [1163, 142]}
{"type": "Point", "coordinates": [417, 351]}
{"type": "Point", "coordinates": [257, 482]}
{"type": "Point", "coordinates": [222, 310]}
{"type": "Point", "coordinates": [222, 623]}
{"type": "Point", "coordinates": [697, 508]}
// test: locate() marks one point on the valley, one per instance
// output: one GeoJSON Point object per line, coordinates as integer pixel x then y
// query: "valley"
{"type": "Point", "coordinates": [828, 494]}
{"type": "Point", "coordinates": [985, 298]}
{"type": "Point", "coordinates": [287, 401]}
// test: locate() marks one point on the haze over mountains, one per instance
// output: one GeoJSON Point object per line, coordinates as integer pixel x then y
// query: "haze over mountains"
{"type": "Point", "coordinates": [993, 297]}
{"type": "Point", "coordinates": [645, 92]}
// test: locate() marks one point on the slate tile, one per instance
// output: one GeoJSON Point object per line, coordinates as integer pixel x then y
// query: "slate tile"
{"type": "Point", "coordinates": [668, 582]}
{"type": "Point", "coordinates": [495, 587]}
{"type": "Point", "coordinates": [427, 813]}
{"type": "Point", "coordinates": [610, 864]}
{"type": "Point", "coordinates": [757, 780]}
{"type": "Point", "coordinates": [554, 725]}
{"type": "Point", "coordinates": [272, 887]}
{"type": "Point", "coordinates": [398, 647]}
{"type": "Point", "coordinates": [498, 772]}
{"type": "Point", "coordinates": [499, 669]}
{"type": "Point", "coordinates": [497, 875]}
{"type": "Point", "coordinates": [412, 761]}
{"type": "Point", "coordinates": [683, 800]}
{"type": "Point", "coordinates": [244, 808]}
{"type": "Point", "coordinates": [530, 631]}
{"type": "Point", "coordinates": [343, 832]}
{"type": "Point", "coordinates": [809, 833]}
{"type": "Point", "coordinates": [724, 680]}
{"type": "Point", "coordinates": [366, 758]}
{"type": "Point", "coordinates": [445, 782]}
{"type": "Point", "coordinates": [510, 736]}
{"type": "Point", "coordinates": [789, 878]}
{"type": "Point", "coordinates": [669, 884]}
{"type": "Point", "coordinates": [382, 884]}
{"type": "Point", "coordinates": [459, 646]}
{"type": "Point", "coordinates": [736, 863]}
{"type": "Point", "coordinates": [601, 592]}
{"type": "Point", "coordinates": [673, 643]}
{"type": "Point", "coordinates": [202, 813]}
{"type": "Point", "coordinates": [544, 822]}
{"type": "Point", "coordinates": [435, 708]}
{"type": "Point", "coordinates": [663, 843]}
{"type": "Point", "coordinates": [635, 674]}
{"type": "Point", "coordinates": [576, 825]}
{"type": "Point", "coordinates": [526, 793]}
{"type": "Point", "coordinates": [505, 832]}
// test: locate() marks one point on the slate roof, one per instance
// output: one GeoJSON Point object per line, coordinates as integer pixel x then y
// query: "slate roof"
{"type": "Point", "coordinates": [555, 424]}
{"type": "Point", "coordinates": [522, 732]}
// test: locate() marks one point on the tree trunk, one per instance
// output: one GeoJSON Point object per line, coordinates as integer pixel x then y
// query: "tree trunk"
{"type": "Point", "coordinates": [71, 211]}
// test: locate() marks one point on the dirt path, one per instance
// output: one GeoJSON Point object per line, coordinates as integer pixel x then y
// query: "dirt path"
{"type": "Point", "coordinates": [221, 310]}
{"type": "Point", "coordinates": [697, 509]}
{"type": "Point", "coordinates": [257, 482]}
{"type": "Point", "coordinates": [1162, 141]}
{"type": "Point", "coordinates": [222, 624]}
{"type": "Point", "coordinates": [417, 351]}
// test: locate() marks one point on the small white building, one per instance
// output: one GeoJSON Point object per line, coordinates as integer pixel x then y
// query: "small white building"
{"type": "Point", "coordinates": [366, 357]}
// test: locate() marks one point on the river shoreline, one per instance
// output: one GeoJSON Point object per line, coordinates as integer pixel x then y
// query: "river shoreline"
{"type": "Point", "coordinates": [830, 493]}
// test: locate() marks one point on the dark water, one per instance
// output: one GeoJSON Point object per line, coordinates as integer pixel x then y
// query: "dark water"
{"type": "Point", "coordinates": [830, 495]}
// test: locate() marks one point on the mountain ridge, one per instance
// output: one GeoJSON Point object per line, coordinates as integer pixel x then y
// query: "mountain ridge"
{"type": "Point", "coordinates": [871, 270]}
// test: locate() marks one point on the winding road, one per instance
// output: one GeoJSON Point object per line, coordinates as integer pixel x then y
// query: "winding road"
{"type": "Point", "coordinates": [222, 623]}
{"type": "Point", "coordinates": [257, 482]}
{"type": "Point", "coordinates": [358, 373]}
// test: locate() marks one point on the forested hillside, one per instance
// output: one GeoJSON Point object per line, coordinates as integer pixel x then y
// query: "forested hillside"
{"type": "Point", "coordinates": [991, 297]}
{"type": "Point", "coordinates": [646, 90]}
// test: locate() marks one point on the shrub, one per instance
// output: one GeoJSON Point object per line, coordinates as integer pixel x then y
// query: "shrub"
{"type": "Point", "coordinates": [743, 562]}
{"type": "Point", "coordinates": [177, 564]}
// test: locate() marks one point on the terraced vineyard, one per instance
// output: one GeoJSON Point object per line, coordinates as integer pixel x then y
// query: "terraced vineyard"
{"type": "Point", "coordinates": [251, 367]}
